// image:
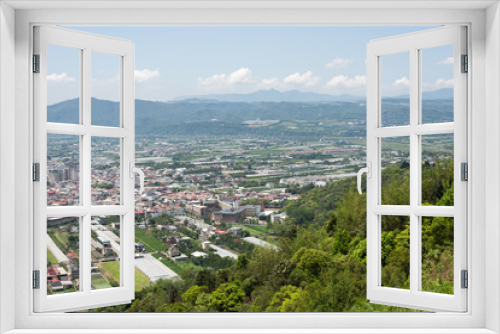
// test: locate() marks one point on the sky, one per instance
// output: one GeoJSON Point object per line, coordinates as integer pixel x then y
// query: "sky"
{"type": "Point", "coordinates": [187, 61]}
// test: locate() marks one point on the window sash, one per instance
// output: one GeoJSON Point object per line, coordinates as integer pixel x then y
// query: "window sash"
{"type": "Point", "coordinates": [86, 43]}
{"type": "Point", "coordinates": [414, 298]}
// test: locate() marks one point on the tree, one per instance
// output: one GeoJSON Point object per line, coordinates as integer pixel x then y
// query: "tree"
{"type": "Point", "coordinates": [300, 215]}
{"type": "Point", "coordinates": [227, 297]}
{"type": "Point", "coordinates": [289, 299]}
{"type": "Point", "coordinates": [341, 242]}
{"type": "Point", "coordinates": [171, 308]}
{"type": "Point", "coordinates": [331, 225]}
{"type": "Point", "coordinates": [312, 261]}
{"type": "Point", "coordinates": [206, 278]}
{"type": "Point", "coordinates": [191, 295]}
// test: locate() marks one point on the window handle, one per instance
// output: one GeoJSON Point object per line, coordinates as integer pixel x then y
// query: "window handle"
{"type": "Point", "coordinates": [133, 170]}
{"type": "Point", "coordinates": [368, 171]}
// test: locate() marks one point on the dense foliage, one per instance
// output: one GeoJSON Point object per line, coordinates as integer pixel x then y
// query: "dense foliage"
{"type": "Point", "coordinates": [321, 262]}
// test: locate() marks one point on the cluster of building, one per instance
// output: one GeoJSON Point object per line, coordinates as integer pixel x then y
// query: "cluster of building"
{"type": "Point", "coordinates": [58, 278]}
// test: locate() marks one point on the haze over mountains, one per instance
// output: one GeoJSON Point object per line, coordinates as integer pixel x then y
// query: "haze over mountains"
{"type": "Point", "coordinates": [206, 117]}
{"type": "Point", "coordinates": [273, 95]}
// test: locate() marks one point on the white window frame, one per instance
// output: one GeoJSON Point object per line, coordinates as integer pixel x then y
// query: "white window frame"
{"type": "Point", "coordinates": [86, 44]}
{"type": "Point", "coordinates": [484, 102]}
{"type": "Point", "coordinates": [413, 44]}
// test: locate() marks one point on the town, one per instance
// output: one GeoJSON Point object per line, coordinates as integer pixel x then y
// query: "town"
{"type": "Point", "coordinates": [207, 200]}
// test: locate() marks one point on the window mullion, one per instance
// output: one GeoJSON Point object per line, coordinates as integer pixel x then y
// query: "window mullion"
{"type": "Point", "coordinates": [415, 267]}
{"type": "Point", "coordinates": [85, 182]}
{"type": "Point", "coordinates": [86, 142]}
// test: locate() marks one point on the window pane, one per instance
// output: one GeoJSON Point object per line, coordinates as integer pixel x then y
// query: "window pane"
{"type": "Point", "coordinates": [437, 254]}
{"type": "Point", "coordinates": [105, 86]}
{"type": "Point", "coordinates": [395, 162]}
{"type": "Point", "coordinates": [437, 170]}
{"type": "Point", "coordinates": [63, 255]}
{"type": "Point", "coordinates": [437, 84]}
{"type": "Point", "coordinates": [105, 171]}
{"type": "Point", "coordinates": [63, 170]}
{"type": "Point", "coordinates": [395, 90]}
{"type": "Point", "coordinates": [105, 266]}
{"type": "Point", "coordinates": [63, 84]}
{"type": "Point", "coordinates": [395, 252]}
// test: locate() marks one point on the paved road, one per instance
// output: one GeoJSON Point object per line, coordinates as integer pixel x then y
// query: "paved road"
{"type": "Point", "coordinates": [148, 264]}
{"type": "Point", "coordinates": [223, 252]}
{"type": "Point", "coordinates": [153, 268]}
{"type": "Point", "coordinates": [58, 254]}
{"type": "Point", "coordinates": [261, 243]}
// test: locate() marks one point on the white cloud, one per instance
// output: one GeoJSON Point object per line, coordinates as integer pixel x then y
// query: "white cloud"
{"type": "Point", "coordinates": [145, 74]}
{"type": "Point", "coordinates": [438, 84]}
{"type": "Point", "coordinates": [444, 83]}
{"type": "Point", "coordinates": [63, 77]}
{"type": "Point", "coordinates": [214, 79]}
{"type": "Point", "coordinates": [305, 79]}
{"type": "Point", "coordinates": [339, 63]}
{"type": "Point", "coordinates": [270, 83]}
{"type": "Point", "coordinates": [446, 61]}
{"type": "Point", "coordinates": [241, 75]}
{"type": "Point", "coordinates": [347, 82]}
{"type": "Point", "coordinates": [404, 81]}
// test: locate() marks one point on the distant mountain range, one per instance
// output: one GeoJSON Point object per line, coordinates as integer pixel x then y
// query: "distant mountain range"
{"type": "Point", "coordinates": [273, 95]}
{"type": "Point", "coordinates": [207, 117]}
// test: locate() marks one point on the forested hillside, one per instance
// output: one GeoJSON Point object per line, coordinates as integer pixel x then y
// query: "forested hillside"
{"type": "Point", "coordinates": [321, 262]}
{"type": "Point", "coordinates": [212, 118]}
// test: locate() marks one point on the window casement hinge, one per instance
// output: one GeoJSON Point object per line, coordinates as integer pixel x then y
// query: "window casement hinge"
{"type": "Point", "coordinates": [36, 279]}
{"type": "Point", "coordinates": [36, 172]}
{"type": "Point", "coordinates": [464, 276]}
{"type": "Point", "coordinates": [464, 171]}
{"type": "Point", "coordinates": [36, 63]}
{"type": "Point", "coordinates": [464, 64]}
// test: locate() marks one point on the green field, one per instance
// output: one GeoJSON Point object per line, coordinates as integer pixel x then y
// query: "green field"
{"type": "Point", "coordinates": [254, 230]}
{"type": "Point", "coordinates": [188, 264]}
{"type": "Point", "coordinates": [51, 258]}
{"type": "Point", "coordinates": [149, 242]}
{"type": "Point", "coordinates": [59, 238]}
{"type": "Point", "coordinates": [258, 228]}
{"type": "Point", "coordinates": [99, 282]}
{"type": "Point", "coordinates": [113, 267]}
{"type": "Point", "coordinates": [72, 289]}
{"type": "Point", "coordinates": [172, 265]}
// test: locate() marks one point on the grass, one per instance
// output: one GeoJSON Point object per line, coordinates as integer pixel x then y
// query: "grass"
{"type": "Point", "coordinates": [99, 282]}
{"type": "Point", "coordinates": [51, 258]}
{"type": "Point", "coordinates": [113, 267]}
{"type": "Point", "coordinates": [72, 289]}
{"type": "Point", "coordinates": [258, 228]}
{"type": "Point", "coordinates": [255, 230]}
{"type": "Point", "coordinates": [172, 265]}
{"type": "Point", "coordinates": [188, 265]}
{"type": "Point", "coordinates": [149, 242]}
{"type": "Point", "coordinates": [253, 233]}
{"type": "Point", "coordinates": [59, 238]}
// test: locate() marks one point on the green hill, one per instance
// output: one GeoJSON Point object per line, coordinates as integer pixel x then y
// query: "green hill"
{"type": "Point", "coordinates": [202, 117]}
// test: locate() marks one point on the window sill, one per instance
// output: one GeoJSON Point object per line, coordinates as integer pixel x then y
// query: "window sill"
{"type": "Point", "coordinates": [252, 331]}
